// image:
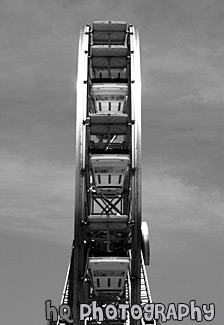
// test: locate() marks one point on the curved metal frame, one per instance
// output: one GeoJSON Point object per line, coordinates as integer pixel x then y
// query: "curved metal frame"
{"type": "Point", "coordinates": [81, 107]}
{"type": "Point", "coordinates": [136, 166]}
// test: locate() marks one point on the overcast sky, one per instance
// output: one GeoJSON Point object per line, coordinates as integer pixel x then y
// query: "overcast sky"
{"type": "Point", "coordinates": [182, 51]}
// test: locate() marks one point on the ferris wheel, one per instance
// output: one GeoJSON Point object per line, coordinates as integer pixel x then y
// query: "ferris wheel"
{"type": "Point", "coordinates": [111, 243]}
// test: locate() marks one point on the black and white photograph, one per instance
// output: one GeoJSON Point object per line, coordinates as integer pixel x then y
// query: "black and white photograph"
{"type": "Point", "coordinates": [111, 162]}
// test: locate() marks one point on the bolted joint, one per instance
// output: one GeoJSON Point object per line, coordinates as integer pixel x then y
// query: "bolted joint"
{"type": "Point", "coordinates": [131, 123]}
{"type": "Point", "coordinates": [84, 223]}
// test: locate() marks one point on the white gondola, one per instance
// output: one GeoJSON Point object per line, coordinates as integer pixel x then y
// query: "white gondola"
{"type": "Point", "coordinates": [109, 172]}
{"type": "Point", "coordinates": [110, 98]}
{"type": "Point", "coordinates": [108, 274]}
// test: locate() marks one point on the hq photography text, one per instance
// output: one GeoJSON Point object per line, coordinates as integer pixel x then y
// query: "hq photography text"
{"type": "Point", "coordinates": [148, 312]}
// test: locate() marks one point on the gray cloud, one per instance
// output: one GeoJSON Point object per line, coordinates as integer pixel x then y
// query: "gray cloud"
{"type": "Point", "coordinates": [38, 198]}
